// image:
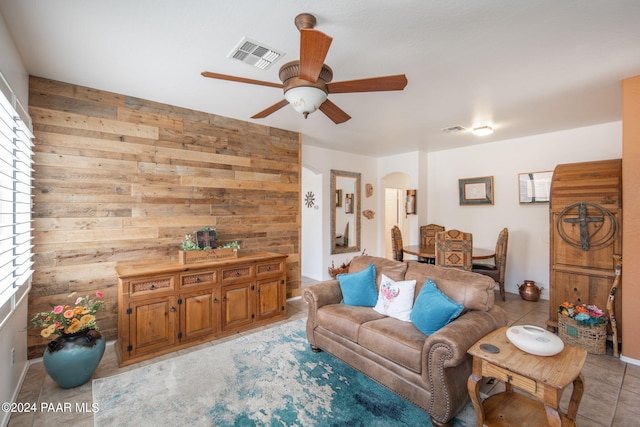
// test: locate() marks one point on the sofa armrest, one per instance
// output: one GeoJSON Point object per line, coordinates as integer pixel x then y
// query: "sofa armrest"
{"type": "Point", "coordinates": [322, 293]}
{"type": "Point", "coordinates": [316, 296]}
{"type": "Point", "coordinates": [447, 348]}
{"type": "Point", "coordinates": [458, 336]}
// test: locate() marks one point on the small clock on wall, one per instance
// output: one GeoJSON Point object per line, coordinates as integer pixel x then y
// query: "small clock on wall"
{"type": "Point", "coordinates": [309, 199]}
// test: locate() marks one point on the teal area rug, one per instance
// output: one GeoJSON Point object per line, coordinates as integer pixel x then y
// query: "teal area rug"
{"type": "Point", "coordinates": [267, 378]}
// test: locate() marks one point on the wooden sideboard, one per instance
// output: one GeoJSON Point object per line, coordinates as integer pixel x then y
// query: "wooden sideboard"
{"type": "Point", "coordinates": [165, 307]}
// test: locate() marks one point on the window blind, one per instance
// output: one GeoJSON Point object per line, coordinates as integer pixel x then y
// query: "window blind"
{"type": "Point", "coordinates": [16, 159]}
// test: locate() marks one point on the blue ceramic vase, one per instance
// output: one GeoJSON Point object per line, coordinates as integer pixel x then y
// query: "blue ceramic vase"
{"type": "Point", "coordinates": [71, 359]}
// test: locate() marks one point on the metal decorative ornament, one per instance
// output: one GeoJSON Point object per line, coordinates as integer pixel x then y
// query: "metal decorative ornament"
{"type": "Point", "coordinates": [604, 228]}
{"type": "Point", "coordinates": [309, 199]}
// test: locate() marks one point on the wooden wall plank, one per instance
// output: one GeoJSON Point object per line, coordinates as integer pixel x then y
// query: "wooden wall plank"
{"type": "Point", "coordinates": [79, 121]}
{"type": "Point", "coordinates": [121, 180]}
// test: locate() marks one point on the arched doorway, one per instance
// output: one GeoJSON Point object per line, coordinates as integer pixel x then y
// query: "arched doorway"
{"type": "Point", "coordinates": [395, 186]}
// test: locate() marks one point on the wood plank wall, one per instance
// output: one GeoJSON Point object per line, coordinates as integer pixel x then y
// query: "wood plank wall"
{"type": "Point", "coordinates": [122, 180]}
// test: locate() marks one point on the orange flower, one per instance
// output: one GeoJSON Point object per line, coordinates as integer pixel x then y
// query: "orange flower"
{"type": "Point", "coordinates": [69, 314]}
{"type": "Point", "coordinates": [86, 319]}
{"type": "Point", "coordinates": [582, 309]}
{"type": "Point", "coordinates": [75, 326]}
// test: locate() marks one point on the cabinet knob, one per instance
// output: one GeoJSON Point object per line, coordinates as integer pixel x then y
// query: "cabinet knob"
{"type": "Point", "coordinates": [172, 309]}
{"type": "Point", "coordinates": [152, 287]}
{"type": "Point", "coordinates": [237, 273]}
{"type": "Point", "coordinates": [215, 300]}
{"type": "Point", "coordinates": [198, 280]}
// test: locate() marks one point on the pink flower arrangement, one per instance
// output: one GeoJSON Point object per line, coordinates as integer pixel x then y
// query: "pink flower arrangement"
{"type": "Point", "coordinates": [65, 319]}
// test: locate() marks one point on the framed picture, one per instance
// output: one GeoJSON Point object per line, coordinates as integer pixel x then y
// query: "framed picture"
{"type": "Point", "coordinates": [338, 198]}
{"type": "Point", "coordinates": [476, 191]}
{"type": "Point", "coordinates": [534, 187]}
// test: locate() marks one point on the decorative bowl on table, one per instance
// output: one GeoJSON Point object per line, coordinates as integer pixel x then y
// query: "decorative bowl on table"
{"type": "Point", "coordinates": [535, 340]}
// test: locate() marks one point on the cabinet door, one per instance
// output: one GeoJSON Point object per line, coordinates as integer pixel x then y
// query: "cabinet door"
{"type": "Point", "coordinates": [152, 325]}
{"type": "Point", "coordinates": [199, 314]}
{"type": "Point", "coordinates": [237, 305]}
{"type": "Point", "coordinates": [269, 298]}
{"type": "Point", "coordinates": [579, 288]}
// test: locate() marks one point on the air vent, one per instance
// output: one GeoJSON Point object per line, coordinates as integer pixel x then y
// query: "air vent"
{"type": "Point", "coordinates": [453, 129]}
{"type": "Point", "coordinates": [255, 53]}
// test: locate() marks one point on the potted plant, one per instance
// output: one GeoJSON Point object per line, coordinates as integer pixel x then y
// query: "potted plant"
{"type": "Point", "coordinates": [73, 356]}
{"type": "Point", "coordinates": [203, 246]}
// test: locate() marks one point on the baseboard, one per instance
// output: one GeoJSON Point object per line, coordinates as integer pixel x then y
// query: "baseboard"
{"type": "Point", "coordinates": [14, 398]}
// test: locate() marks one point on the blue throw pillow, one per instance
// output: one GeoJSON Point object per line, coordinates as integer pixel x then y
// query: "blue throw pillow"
{"type": "Point", "coordinates": [359, 288]}
{"type": "Point", "coordinates": [433, 309]}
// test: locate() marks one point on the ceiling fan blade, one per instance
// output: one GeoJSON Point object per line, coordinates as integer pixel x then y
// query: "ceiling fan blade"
{"type": "Point", "coordinates": [374, 84]}
{"type": "Point", "coordinates": [314, 46]}
{"type": "Point", "coordinates": [275, 107]}
{"type": "Point", "coordinates": [240, 79]}
{"type": "Point", "coordinates": [334, 112]}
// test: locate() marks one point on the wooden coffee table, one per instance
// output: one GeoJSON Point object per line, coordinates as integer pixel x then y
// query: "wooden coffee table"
{"type": "Point", "coordinates": [543, 377]}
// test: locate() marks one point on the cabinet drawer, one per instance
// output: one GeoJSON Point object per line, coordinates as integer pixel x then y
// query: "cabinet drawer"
{"type": "Point", "coordinates": [506, 376]}
{"type": "Point", "coordinates": [151, 286]}
{"type": "Point", "coordinates": [198, 279]}
{"type": "Point", "coordinates": [269, 268]}
{"type": "Point", "coordinates": [241, 272]}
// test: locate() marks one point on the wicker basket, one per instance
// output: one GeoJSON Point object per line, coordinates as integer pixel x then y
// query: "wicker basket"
{"type": "Point", "coordinates": [591, 338]}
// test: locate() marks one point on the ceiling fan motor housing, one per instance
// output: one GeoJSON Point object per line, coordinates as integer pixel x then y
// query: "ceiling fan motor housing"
{"type": "Point", "coordinates": [290, 71]}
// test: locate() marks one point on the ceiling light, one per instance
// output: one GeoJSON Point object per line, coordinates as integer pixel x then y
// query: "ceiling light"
{"type": "Point", "coordinates": [483, 130]}
{"type": "Point", "coordinates": [305, 99]}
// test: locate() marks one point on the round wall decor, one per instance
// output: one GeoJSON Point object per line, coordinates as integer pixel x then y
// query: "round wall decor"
{"type": "Point", "coordinates": [309, 199]}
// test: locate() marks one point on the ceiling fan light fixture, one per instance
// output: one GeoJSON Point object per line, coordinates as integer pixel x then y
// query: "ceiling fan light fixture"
{"type": "Point", "coordinates": [305, 99]}
{"type": "Point", "coordinates": [482, 130]}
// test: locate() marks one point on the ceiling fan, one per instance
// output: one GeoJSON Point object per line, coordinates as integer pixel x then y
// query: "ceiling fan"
{"type": "Point", "coordinates": [307, 81]}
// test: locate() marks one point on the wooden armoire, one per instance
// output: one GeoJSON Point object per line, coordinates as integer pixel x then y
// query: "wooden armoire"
{"type": "Point", "coordinates": [585, 220]}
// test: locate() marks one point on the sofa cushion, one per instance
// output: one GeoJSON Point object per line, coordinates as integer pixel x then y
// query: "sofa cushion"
{"type": "Point", "coordinates": [345, 320]}
{"type": "Point", "coordinates": [395, 298]}
{"type": "Point", "coordinates": [473, 290]}
{"type": "Point", "coordinates": [433, 309]}
{"type": "Point", "coordinates": [391, 268]}
{"type": "Point", "coordinates": [359, 288]}
{"type": "Point", "coordinates": [397, 341]}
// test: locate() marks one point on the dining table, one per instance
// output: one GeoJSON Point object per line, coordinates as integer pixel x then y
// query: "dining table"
{"type": "Point", "coordinates": [430, 252]}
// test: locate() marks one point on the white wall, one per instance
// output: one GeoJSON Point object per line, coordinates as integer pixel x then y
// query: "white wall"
{"type": "Point", "coordinates": [13, 314]}
{"type": "Point", "coordinates": [312, 224]}
{"type": "Point", "coordinates": [322, 161]}
{"type": "Point", "coordinates": [11, 65]}
{"type": "Point", "coordinates": [528, 250]}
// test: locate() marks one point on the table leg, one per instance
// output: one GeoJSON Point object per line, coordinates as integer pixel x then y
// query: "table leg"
{"type": "Point", "coordinates": [553, 416]}
{"type": "Point", "coordinates": [473, 386]}
{"type": "Point", "coordinates": [576, 397]}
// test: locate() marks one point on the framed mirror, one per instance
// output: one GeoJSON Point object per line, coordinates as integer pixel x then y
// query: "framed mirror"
{"type": "Point", "coordinates": [345, 212]}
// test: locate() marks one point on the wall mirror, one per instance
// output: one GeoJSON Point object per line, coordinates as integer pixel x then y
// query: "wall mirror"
{"type": "Point", "coordinates": [345, 212]}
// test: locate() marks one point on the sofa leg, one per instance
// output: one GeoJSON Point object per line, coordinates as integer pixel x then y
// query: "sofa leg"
{"type": "Point", "coordinates": [439, 424]}
{"type": "Point", "coordinates": [315, 349]}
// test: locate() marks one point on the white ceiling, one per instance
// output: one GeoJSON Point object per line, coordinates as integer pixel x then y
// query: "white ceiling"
{"type": "Point", "coordinates": [527, 67]}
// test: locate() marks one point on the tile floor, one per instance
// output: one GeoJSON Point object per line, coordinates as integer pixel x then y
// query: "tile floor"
{"type": "Point", "coordinates": [612, 387]}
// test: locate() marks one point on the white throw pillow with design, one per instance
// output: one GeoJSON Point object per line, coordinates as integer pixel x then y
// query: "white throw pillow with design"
{"type": "Point", "coordinates": [395, 299]}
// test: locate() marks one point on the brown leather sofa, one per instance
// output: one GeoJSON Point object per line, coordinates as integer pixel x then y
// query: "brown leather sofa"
{"type": "Point", "coordinates": [430, 371]}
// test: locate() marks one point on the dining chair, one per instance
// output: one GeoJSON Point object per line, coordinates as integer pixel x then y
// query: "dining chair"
{"type": "Point", "coordinates": [496, 270]}
{"type": "Point", "coordinates": [428, 238]}
{"type": "Point", "coordinates": [454, 249]}
{"type": "Point", "coordinates": [396, 243]}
